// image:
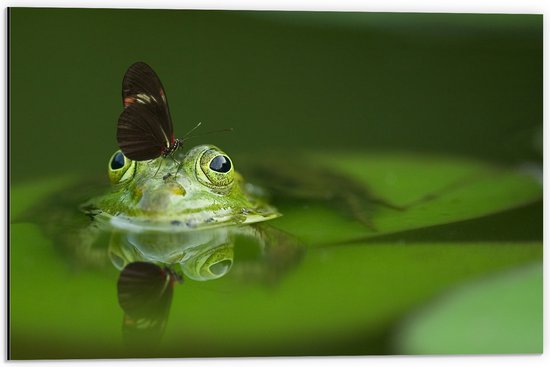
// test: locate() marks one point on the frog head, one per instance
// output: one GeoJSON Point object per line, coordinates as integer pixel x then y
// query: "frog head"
{"type": "Point", "coordinates": [197, 189]}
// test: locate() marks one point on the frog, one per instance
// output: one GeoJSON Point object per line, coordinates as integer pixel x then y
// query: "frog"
{"type": "Point", "coordinates": [200, 190]}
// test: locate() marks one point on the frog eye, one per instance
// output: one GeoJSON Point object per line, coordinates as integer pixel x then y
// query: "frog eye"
{"type": "Point", "coordinates": [220, 163]}
{"type": "Point", "coordinates": [215, 169]}
{"type": "Point", "coordinates": [120, 168]}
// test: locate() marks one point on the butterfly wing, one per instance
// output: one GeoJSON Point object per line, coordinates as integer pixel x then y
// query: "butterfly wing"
{"type": "Point", "coordinates": [145, 127]}
{"type": "Point", "coordinates": [139, 134]}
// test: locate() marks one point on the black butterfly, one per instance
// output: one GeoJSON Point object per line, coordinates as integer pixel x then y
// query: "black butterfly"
{"type": "Point", "coordinates": [145, 128]}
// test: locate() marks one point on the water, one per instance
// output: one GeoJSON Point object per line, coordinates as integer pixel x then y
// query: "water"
{"type": "Point", "coordinates": [441, 85]}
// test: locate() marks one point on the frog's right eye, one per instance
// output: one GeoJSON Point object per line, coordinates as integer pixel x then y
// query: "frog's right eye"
{"type": "Point", "coordinates": [120, 168]}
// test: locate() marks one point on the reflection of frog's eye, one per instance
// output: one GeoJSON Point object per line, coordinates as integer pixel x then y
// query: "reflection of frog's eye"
{"type": "Point", "coordinates": [215, 169]}
{"type": "Point", "coordinates": [209, 262]}
{"type": "Point", "coordinates": [120, 168]}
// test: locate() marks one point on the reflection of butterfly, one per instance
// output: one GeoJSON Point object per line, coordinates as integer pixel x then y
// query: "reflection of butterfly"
{"type": "Point", "coordinates": [145, 294]}
{"type": "Point", "coordinates": [145, 128]}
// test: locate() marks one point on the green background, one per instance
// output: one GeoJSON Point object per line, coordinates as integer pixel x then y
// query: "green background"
{"type": "Point", "coordinates": [404, 103]}
{"type": "Point", "coordinates": [443, 83]}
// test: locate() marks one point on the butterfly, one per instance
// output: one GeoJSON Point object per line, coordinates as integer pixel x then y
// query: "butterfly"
{"type": "Point", "coordinates": [145, 129]}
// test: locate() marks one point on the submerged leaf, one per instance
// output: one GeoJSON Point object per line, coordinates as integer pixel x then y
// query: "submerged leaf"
{"type": "Point", "coordinates": [431, 191]}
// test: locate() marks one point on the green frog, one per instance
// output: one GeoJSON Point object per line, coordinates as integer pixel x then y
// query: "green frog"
{"type": "Point", "coordinates": [201, 190]}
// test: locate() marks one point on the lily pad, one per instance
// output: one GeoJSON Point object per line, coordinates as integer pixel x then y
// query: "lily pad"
{"type": "Point", "coordinates": [501, 314]}
{"type": "Point", "coordinates": [432, 190]}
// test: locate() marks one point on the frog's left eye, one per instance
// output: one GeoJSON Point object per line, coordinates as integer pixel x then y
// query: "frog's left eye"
{"type": "Point", "coordinates": [120, 168]}
{"type": "Point", "coordinates": [215, 169]}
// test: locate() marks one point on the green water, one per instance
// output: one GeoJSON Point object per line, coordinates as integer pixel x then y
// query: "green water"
{"type": "Point", "coordinates": [408, 104]}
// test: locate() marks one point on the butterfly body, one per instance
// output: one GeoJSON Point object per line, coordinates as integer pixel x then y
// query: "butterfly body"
{"type": "Point", "coordinates": [175, 145]}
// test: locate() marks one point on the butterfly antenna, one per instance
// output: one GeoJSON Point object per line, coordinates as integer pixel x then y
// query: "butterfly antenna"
{"type": "Point", "coordinates": [193, 129]}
